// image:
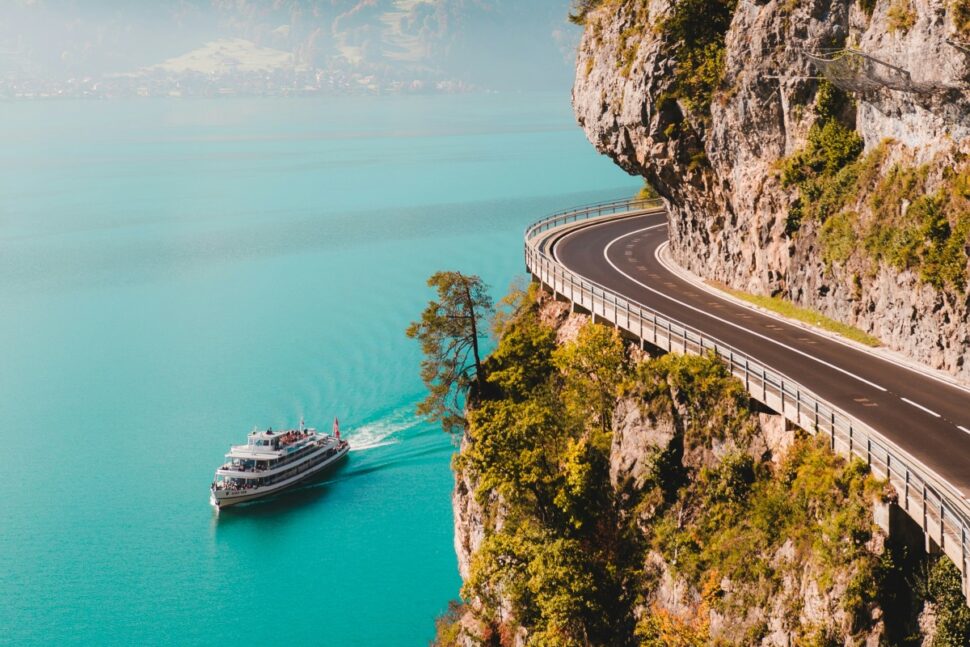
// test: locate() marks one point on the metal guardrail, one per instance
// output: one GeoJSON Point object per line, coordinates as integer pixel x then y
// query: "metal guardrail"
{"type": "Point", "coordinates": [940, 509]}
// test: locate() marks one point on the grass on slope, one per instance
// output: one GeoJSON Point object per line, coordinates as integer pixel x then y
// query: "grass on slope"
{"type": "Point", "coordinates": [805, 315]}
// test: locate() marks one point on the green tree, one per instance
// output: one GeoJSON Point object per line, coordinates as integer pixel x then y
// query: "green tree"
{"type": "Point", "coordinates": [941, 588]}
{"type": "Point", "coordinates": [697, 29]}
{"type": "Point", "coordinates": [584, 489]}
{"type": "Point", "coordinates": [514, 452]}
{"type": "Point", "coordinates": [592, 366]}
{"type": "Point", "coordinates": [548, 581]}
{"type": "Point", "coordinates": [449, 331]}
{"type": "Point", "coordinates": [564, 591]}
{"type": "Point", "coordinates": [523, 359]}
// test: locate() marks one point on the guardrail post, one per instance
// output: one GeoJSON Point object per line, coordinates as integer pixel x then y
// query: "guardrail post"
{"type": "Point", "coordinates": [924, 508]}
{"type": "Point", "coordinates": [963, 558]}
{"type": "Point", "coordinates": [942, 527]}
{"type": "Point", "coordinates": [782, 390]}
{"type": "Point", "coordinates": [906, 491]}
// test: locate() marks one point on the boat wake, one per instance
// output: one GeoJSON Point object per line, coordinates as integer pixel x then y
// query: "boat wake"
{"type": "Point", "coordinates": [382, 432]}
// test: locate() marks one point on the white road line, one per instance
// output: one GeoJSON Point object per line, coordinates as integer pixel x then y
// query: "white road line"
{"type": "Point", "coordinates": [720, 319]}
{"type": "Point", "coordinates": [836, 338]}
{"type": "Point", "coordinates": [555, 251]}
{"type": "Point", "coordinates": [555, 254]}
{"type": "Point", "coordinates": [920, 406]}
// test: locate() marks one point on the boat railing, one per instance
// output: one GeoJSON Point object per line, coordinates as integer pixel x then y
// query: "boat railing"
{"type": "Point", "coordinates": [241, 468]}
{"type": "Point", "coordinates": [307, 448]}
{"type": "Point", "coordinates": [233, 487]}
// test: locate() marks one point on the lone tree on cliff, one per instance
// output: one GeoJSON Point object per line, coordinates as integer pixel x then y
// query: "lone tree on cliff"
{"type": "Point", "coordinates": [580, 8]}
{"type": "Point", "coordinates": [449, 331]}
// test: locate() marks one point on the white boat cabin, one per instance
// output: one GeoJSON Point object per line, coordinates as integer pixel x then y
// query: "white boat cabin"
{"type": "Point", "coordinates": [267, 449]}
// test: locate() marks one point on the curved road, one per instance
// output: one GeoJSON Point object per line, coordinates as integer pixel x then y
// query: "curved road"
{"type": "Point", "coordinates": [927, 417]}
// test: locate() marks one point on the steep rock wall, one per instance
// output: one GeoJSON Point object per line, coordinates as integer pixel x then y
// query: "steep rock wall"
{"type": "Point", "coordinates": [720, 169]}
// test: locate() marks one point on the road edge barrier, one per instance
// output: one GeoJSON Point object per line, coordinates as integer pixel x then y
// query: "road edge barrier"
{"type": "Point", "coordinates": [940, 509]}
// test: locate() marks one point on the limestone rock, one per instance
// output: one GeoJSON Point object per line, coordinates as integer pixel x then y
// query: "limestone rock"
{"type": "Point", "coordinates": [635, 440]}
{"type": "Point", "coordinates": [469, 520]}
{"type": "Point", "coordinates": [719, 177]}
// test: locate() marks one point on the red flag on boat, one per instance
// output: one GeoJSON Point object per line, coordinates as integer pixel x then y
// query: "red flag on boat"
{"type": "Point", "coordinates": [336, 428]}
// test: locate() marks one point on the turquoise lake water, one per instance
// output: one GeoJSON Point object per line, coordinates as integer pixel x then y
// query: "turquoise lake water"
{"type": "Point", "coordinates": [173, 273]}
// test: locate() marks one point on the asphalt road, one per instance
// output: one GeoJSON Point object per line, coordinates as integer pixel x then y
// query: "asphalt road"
{"type": "Point", "coordinates": [928, 418]}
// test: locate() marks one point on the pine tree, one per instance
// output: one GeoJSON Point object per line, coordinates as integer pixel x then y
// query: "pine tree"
{"type": "Point", "coordinates": [449, 331]}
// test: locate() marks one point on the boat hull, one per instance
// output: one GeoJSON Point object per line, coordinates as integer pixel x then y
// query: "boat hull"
{"type": "Point", "coordinates": [227, 500]}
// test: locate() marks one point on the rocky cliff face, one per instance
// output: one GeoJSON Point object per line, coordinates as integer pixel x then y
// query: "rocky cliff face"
{"type": "Point", "coordinates": [724, 527]}
{"type": "Point", "coordinates": [472, 520]}
{"type": "Point", "coordinates": [806, 600]}
{"type": "Point", "coordinates": [715, 131]}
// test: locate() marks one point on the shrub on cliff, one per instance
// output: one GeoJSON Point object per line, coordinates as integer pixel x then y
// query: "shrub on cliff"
{"type": "Point", "coordinates": [961, 16]}
{"type": "Point", "coordinates": [889, 209]}
{"type": "Point", "coordinates": [941, 587]}
{"type": "Point", "coordinates": [715, 524]}
{"type": "Point", "coordinates": [697, 29]}
{"type": "Point", "coordinates": [930, 235]}
{"type": "Point", "coordinates": [901, 17]}
{"type": "Point", "coordinates": [698, 384]}
{"type": "Point", "coordinates": [581, 9]}
{"type": "Point", "coordinates": [735, 519]}
{"type": "Point", "coordinates": [821, 170]}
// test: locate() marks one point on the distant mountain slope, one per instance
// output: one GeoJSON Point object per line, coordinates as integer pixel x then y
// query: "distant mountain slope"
{"type": "Point", "coordinates": [227, 55]}
{"type": "Point", "coordinates": [495, 43]}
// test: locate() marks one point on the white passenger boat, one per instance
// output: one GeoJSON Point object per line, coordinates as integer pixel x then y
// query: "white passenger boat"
{"type": "Point", "coordinates": [273, 461]}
